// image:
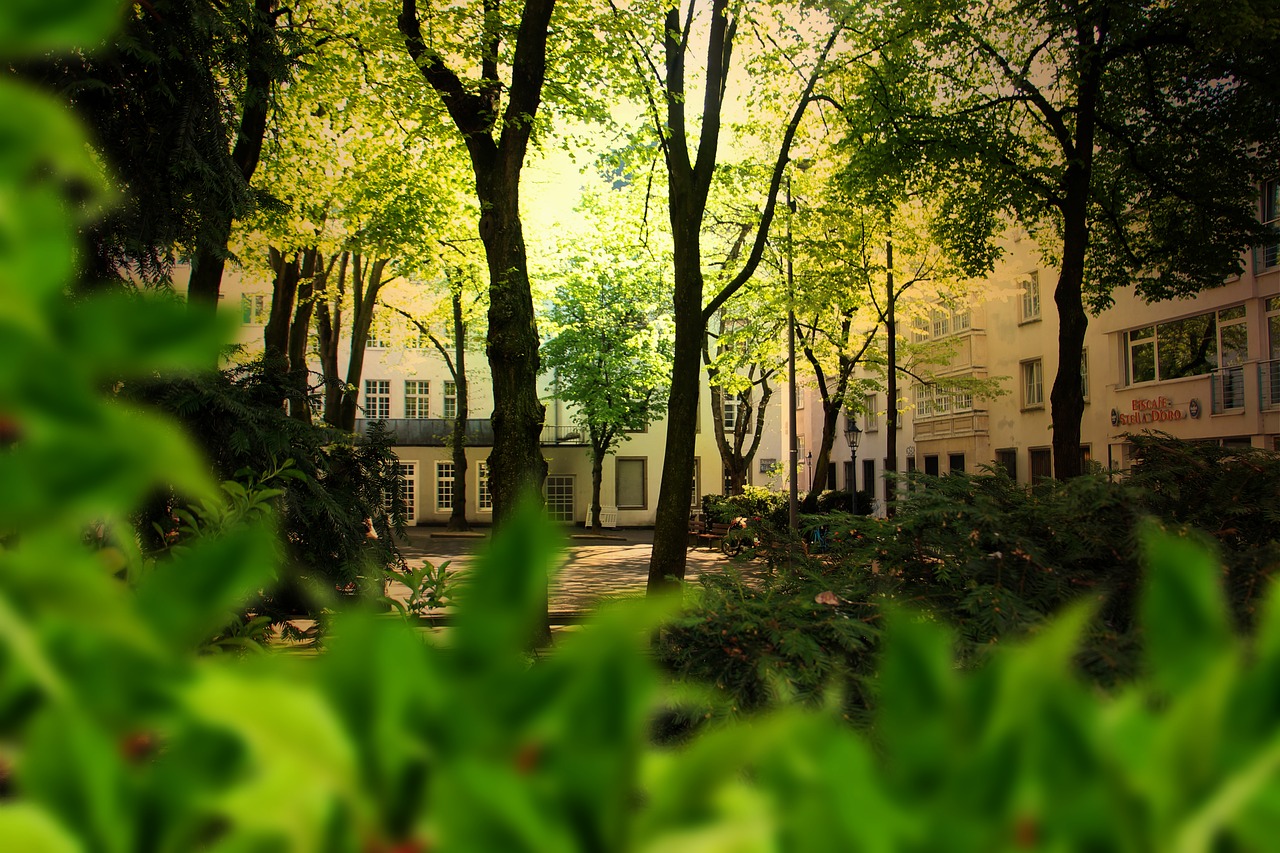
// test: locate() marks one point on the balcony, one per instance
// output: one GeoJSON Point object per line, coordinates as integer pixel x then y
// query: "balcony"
{"type": "Point", "coordinates": [1226, 389]}
{"type": "Point", "coordinates": [435, 432]}
{"type": "Point", "coordinates": [1269, 384]}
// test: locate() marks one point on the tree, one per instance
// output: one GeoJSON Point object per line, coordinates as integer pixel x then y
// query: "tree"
{"type": "Point", "coordinates": [161, 98]}
{"type": "Point", "coordinates": [745, 359]}
{"type": "Point", "coordinates": [611, 351]}
{"type": "Point", "coordinates": [668, 31]}
{"type": "Point", "coordinates": [1130, 136]}
{"type": "Point", "coordinates": [516, 466]}
{"type": "Point", "coordinates": [460, 323]}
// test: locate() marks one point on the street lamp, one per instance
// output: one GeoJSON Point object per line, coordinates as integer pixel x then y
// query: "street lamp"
{"type": "Point", "coordinates": [852, 435]}
{"type": "Point", "coordinates": [793, 519]}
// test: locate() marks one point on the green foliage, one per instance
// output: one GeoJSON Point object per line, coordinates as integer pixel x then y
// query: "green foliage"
{"type": "Point", "coordinates": [332, 483]}
{"type": "Point", "coordinates": [754, 502]}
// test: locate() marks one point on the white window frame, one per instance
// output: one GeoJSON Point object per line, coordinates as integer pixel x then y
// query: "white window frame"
{"type": "Point", "coordinates": [1267, 256]}
{"type": "Point", "coordinates": [484, 495]}
{"type": "Point", "coordinates": [732, 408]}
{"type": "Point", "coordinates": [871, 416]}
{"type": "Point", "coordinates": [417, 399]}
{"type": "Point", "coordinates": [449, 408]}
{"type": "Point", "coordinates": [554, 492]}
{"type": "Point", "coordinates": [377, 399]}
{"type": "Point", "coordinates": [1030, 297]}
{"type": "Point", "coordinates": [444, 486]}
{"type": "Point", "coordinates": [1153, 340]}
{"type": "Point", "coordinates": [408, 491]}
{"type": "Point", "coordinates": [1031, 374]}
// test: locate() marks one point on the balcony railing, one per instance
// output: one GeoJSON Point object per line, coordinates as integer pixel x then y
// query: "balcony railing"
{"type": "Point", "coordinates": [1269, 384]}
{"type": "Point", "coordinates": [435, 432]}
{"type": "Point", "coordinates": [1227, 389]}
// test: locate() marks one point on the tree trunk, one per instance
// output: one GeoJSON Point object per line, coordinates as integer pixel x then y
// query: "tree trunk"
{"type": "Point", "coordinates": [671, 523]}
{"type": "Point", "coordinates": [1067, 398]}
{"type": "Point", "coordinates": [366, 281]}
{"type": "Point", "coordinates": [822, 461]}
{"type": "Point", "coordinates": [597, 477]}
{"type": "Point", "coordinates": [211, 255]}
{"type": "Point", "coordinates": [299, 383]}
{"type": "Point", "coordinates": [516, 466]}
{"type": "Point", "coordinates": [328, 333]}
{"type": "Point", "coordinates": [458, 438]}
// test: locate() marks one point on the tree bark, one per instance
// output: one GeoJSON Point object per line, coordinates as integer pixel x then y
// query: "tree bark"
{"type": "Point", "coordinates": [458, 440]}
{"type": "Point", "coordinates": [299, 333]}
{"type": "Point", "coordinates": [516, 466]}
{"type": "Point", "coordinates": [366, 281]}
{"type": "Point", "coordinates": [211, 255]}
{"type": "Point", "coordinates": [328, 333]}
{"type": "Point", "coordinates": [597, 477]}
{"type": "Point", "coordinates": [1067, 397]}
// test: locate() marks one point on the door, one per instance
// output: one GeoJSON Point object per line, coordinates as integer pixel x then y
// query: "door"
{"type": "Point", "coordinates": [558, 492]}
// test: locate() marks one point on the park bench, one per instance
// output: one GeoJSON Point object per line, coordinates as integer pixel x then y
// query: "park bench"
{"type": "Point", "coordinates": [700, 531]}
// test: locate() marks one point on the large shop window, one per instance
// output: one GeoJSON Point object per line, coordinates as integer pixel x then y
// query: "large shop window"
{"type": "Point", "coordinates": [1192, 346]}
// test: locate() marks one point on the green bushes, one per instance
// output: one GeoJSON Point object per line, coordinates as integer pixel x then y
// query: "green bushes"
{"type": "Point", "coordinates": [754, 502]}
{"type": "Point", "coordinates": [992, 559]}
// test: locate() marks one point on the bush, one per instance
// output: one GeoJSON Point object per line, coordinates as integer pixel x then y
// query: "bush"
{"type": "Point", "coordinates": [754, 502]}
{"type": "Point", "coordinates": [337, 481]}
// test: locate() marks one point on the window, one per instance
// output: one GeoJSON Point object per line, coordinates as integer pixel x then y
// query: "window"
{"type": "Point", "coordinates": [730, 402]}
{"type": "Point", "coordinates": [417, 398]}
{"type": "Point", "coordinates": [849, 484]}
{"type": "Point", "coordinates": [1084, 374]}
{"type": "Point", "coordinates": [955, 463]}
{"type": "Point", "coordinates": [961, 320]}
{"type": "Point", "coordinates": [377, 399]}
{"type": "Point", "coordinates": [1267, 255]}
{"type": "Point", "coordinates": [932, 400]}
{"type": "Point", "coordinates": [255, 308]}
{"type": "Point", "coordinates": [1031, 297]}
{"type": "Point", "coordinates": [631, 490]}
{"type": "Point", "coordinates": [940, 321]}
{"type": "Point", "coordinates": [919, 329]}
{"type": "Point", "coordinates": [444, 486]}
{"type": "Point", "coordinates": [408, 482]}
{"type": "Point", "coordinates": [558, 493]}
{"type": "Point", "coordinates": [1270, 375]}
{"type": "Point", "coordinates": [869, 476]}
{"type": "Point", "coordinates": [1032, 384]}
{"type": "Point", "coordinates": [1008, 460]}
{"type": "Point", "coordinates": [484, 497]}
{"type": "Point", "coordinates": [931, 465]}
{"type": "Point", "coordinates": [450, 409]}
{"type": "Point", "coordinates": [696, 500]}
{"type": "Point", "coordinates": [871, 422]}
{"type": "Point", "coordinates": [375, 340]}
{"type": "Point", "coordinates": [1191, 346]}
{"type": "Point", "coordinates": [1041, 463]}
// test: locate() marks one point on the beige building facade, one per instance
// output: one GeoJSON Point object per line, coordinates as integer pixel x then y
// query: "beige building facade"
{"type": "Point", "coordinates": [1206, 368]}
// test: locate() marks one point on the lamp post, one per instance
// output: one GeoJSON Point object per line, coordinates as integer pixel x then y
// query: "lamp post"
{"type": "Point", "coordinates": [852, 435]}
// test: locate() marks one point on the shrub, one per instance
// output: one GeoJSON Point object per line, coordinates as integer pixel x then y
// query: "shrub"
{"type": "Point", "coordinates": [754, 502]}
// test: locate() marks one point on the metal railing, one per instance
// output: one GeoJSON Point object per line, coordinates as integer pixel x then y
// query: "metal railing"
{"type": "Point", "coordinates": [1269, 384]}
{"type": "Point", "coordinates": [435, 432]}
{"type": "Point", "coordinates": [1227, 389]}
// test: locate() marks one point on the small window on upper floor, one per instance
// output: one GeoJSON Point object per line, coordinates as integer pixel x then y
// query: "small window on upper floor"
{"type": "Point", "coordinates": [1030, 297]}
{"type": "Point", "coordinates": [255, 308]}
{"type": "Point", "coordinates": [1267, 256]}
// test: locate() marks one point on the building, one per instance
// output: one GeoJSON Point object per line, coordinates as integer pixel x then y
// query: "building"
{"type": "Point", "coordinates": [1206, 368]}
{"type": "Point", "coordinates": [407, 384]}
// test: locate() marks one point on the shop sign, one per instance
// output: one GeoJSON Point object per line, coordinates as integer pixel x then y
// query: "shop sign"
{"type": "Point", "coordinates": [1149, 411]}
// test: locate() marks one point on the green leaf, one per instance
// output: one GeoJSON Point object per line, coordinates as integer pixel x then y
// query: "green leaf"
{"type": "Point", "coordinates": [31, 27]}
{"type": "Point", "coordinates": [1183, 614]}
{"type": "Point", "coordinates": [27, 827]}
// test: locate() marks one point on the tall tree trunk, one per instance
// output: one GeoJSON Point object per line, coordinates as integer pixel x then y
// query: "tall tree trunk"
{"type": "Point", "coordinates": [312, 280]}
{"type": "Point", "coordinates": [211, 255]}
{"type": "Point", "coordinates": [458, 438]}
{"type": "Point", "coordinates": [598, 450]}
{"type": "Point", "coordinates": [516, 466]}
{"type": "Point", "coordinates": [822, 460]}
{"type": "Point", "coordinates": [1067, 398]}
{"type": "Point", "coordinates": [328, 333]}
{"type": "Point", "coordinates": [366, 281]}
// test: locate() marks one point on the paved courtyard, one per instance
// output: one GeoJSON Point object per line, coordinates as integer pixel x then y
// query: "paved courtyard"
{"type": "Point", "coordinates": [596, 567]}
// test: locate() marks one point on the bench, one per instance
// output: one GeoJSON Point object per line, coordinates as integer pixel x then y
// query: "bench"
{"type": "Point", "coordinates": [699, 531]}
{"type": "Point", "coordinates": [608, 517]}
